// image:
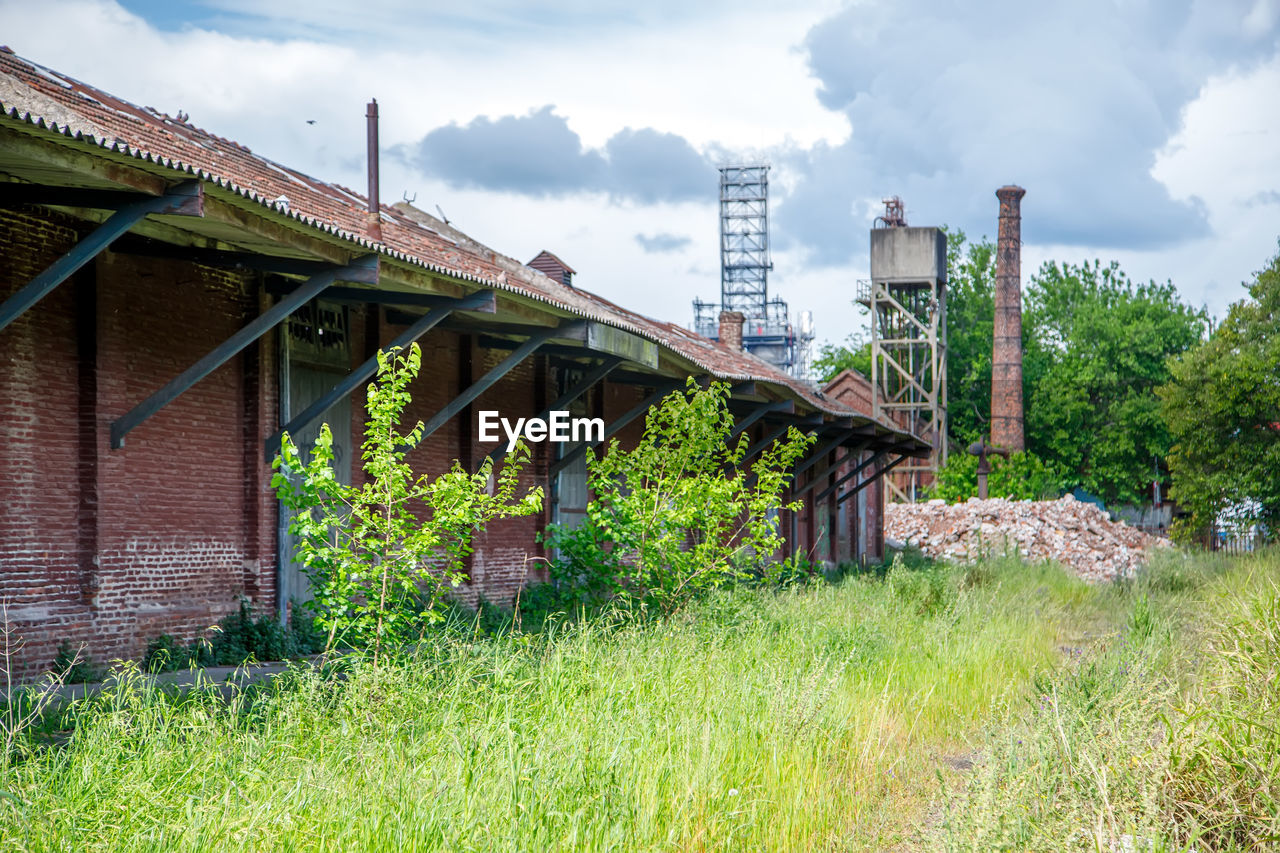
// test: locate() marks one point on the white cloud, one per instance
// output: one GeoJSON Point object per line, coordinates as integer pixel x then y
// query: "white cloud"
{"type": "Point", "coordinates": [731, 75]}
{"type": "Point", "coordinates": [1225, 151]}
{"type": "Point", "coordinates": [1072, 101]}
{"type": "Point", "coordinates": [736, 81]}
{"type": "Point", "coordinates": [1223, 156]}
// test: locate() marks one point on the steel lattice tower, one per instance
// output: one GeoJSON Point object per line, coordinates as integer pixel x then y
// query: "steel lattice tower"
{"type": "Point", "coordinates": [744, 240]}
{"type": "Point", "coordinates": [744, 277]}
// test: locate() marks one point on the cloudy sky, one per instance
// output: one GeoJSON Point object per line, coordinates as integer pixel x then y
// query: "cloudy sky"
{"type": "Point", "coordinates": [1145, 131]}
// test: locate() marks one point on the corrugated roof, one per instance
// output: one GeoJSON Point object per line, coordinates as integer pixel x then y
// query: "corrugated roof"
{"type": "Point", "coordinates": [44, 98]}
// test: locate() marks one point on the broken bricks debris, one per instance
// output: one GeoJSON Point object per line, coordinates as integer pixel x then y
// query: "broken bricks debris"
{"type": "Point", "coordinates": [1078, 535]}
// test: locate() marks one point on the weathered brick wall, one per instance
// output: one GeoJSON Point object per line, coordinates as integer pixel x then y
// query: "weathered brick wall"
{"type": "Point", "coordinates": [111, 547]}
{"type": "Point", "coordinates": [41, 588]}
{"type": "Point", "coordinates": [857, 525]}
{"type": "Point", "coordinates": [260, 369]}
{"type": "Point", "coordinates": [871, 503]}
{"type": "Point", "coordinates": [617, 400]}
{"type": "Point", "coordinates": [506, 553]}
{"type": "Point", "coordinates": [173, 509]}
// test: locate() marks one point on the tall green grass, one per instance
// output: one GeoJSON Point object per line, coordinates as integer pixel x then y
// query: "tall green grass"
{"type": "Point", "coordinates": [1161, 735]}
{"type": "Point", "coordinates": [819, 717]}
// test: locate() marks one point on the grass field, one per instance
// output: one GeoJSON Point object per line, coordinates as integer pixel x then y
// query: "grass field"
{"type": "Point", "coordinates": [1003, 706]}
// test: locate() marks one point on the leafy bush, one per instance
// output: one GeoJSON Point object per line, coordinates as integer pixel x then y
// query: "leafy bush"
{"type": "Point", "coordinates": [239, 637]}
{"type": "Point", "coordinates": [305, 636]}
{"type": "Point", "coordinates": [74, 666]}
{"type": "Point", "coordinates": [1023, 476]}
{"type": "Point", "coordinates": [585, 572]}
{"type": "Point", "coordinates": [166, 652]}
{"type": "Point", "coordinates": [380, 555]}
{"type": "Point", "coordinates": [539, 602]}
{"type": "Point", "coordinates": [679, 514]}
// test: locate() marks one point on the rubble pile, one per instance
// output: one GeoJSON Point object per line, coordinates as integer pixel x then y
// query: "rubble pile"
{"type": "Point", "coordinates": [1079, 535]}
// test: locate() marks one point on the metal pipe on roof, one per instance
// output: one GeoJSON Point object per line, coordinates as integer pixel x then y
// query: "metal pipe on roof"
{"type": "Point", "coordinates": [374, 221]}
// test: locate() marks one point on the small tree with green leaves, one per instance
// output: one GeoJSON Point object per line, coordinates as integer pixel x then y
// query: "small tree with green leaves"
{"type": "Point", "coordinates": [1222, 407]}
{"type": "Point", "coordinates": [380, 554]}
{"type": "Point", "coordinates": [679, 513]}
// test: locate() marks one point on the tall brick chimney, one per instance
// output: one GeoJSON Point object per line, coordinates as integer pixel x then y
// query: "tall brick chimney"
{"type": "Point", "coordinates": [731, 328]}
{"type": "Point", "coordinates": [1006, 356]}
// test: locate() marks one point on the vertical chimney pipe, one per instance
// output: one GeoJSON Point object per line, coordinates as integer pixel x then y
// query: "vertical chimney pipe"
{"type": "Point", "coordinates": [1006, 356]}
{"type": "Point", "coordinates": [374, 219]}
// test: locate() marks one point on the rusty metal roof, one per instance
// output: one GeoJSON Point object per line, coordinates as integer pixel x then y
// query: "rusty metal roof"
{"type": "Point", "coordinates": [93, 119]}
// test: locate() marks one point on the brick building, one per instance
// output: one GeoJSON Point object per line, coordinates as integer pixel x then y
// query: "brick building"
{"type": "Point", "coordinates": [170, 301]}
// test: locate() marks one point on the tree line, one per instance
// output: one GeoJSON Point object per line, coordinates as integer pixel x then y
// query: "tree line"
{"type": "Point", "coordinates": [1125, 386]}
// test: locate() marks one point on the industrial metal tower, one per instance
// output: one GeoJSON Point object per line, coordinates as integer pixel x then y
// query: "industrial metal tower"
{"type": "Point", "coordinates": [907, 297]}
{"type": "Point", "coordinates": [744, 239]}
{"type": "Point", "coordinates": [744, 276]}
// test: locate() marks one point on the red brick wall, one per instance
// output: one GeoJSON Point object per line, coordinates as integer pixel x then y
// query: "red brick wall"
{"type": "Point", "coordinates": [853, 528]}
{"type": "Point", "coordinates": [866, 512]}
{"type": "Point", "coordinates": [40, 492]}
{"type": "Point", "coordinates": [851, 389]}
{"type": "Point", "coordinates": [173, 551]}
{"type": "Point", "coordinates": [112, 547]}
{"type": "Point", "coordinates": [617, 400]}
{"type": "Point", "coordinates": [506, 554]}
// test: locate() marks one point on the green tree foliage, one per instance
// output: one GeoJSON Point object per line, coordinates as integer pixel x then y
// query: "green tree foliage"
{"type": "Point", "coordinates": [834, 359]}
{"type": "Point", "coordinates": [1097, 347]}
{"type": "Point", "coordinates": [971, 270]}
{"type": "Point", "coordinates": [379, 554]}
{"type": "Point", "coordinates": [1094, 350]}
{"type": "Point", "coordinates": [1222, 407]}
{"type": "Point", "coordinates": [680, 513]}
{"type": "Point", "coordinates": [1023, 477]}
